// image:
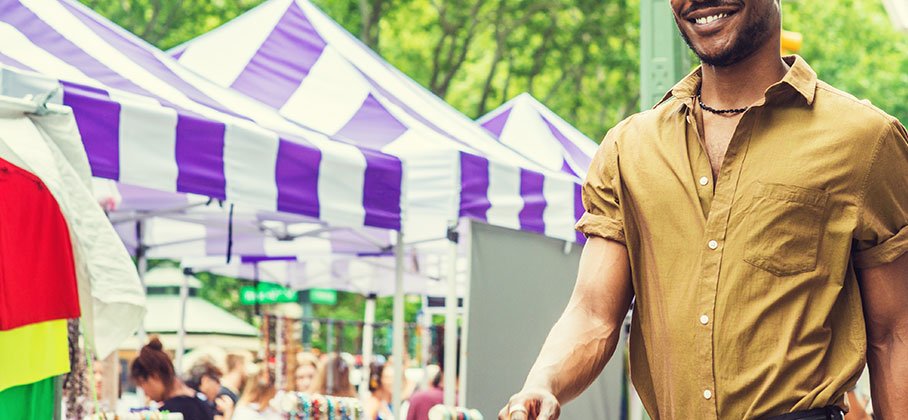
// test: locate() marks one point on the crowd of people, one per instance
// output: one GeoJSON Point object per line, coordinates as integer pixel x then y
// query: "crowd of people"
{"type": "Point", "coordinates": [247, 391]}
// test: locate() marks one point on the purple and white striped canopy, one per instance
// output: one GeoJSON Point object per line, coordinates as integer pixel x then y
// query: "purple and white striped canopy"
{"type": "Point", "coordinates": [180, 226]}
{"type": "Point", "coordinates": [531, 128]}
{"type": "Point", "coordinates": [292, 57]}
{"type": "Point", "coordinates": [146, 120]}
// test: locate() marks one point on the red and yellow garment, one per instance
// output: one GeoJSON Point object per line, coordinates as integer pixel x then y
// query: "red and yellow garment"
{"type": "Point", "coordinates": [37, 273]}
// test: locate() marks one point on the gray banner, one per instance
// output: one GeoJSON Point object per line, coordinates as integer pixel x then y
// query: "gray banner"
{"type": "Point", "coordinates": [520, 285]}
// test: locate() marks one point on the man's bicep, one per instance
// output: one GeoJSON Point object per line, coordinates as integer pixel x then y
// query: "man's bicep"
{"type": "Point", "coordinates": [604, 285]}
{"type": "Point", "coordinates": [884, 291]}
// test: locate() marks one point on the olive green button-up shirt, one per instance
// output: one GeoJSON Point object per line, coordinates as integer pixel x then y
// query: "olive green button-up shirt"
{"type": "Point", "coordinates": [747, 302]}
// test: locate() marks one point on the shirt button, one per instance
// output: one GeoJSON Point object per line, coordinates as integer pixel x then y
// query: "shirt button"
{"type": "Point", "coordinates": [704, 319]}
{"type": "Point", "coordinates": [712, 244]}
{"type": "Point", "coordinates": [704, 181]}
{"type": "Point", "coordinates": [707, 394]}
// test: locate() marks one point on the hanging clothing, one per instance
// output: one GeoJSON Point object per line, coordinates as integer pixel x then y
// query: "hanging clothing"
{"type": "Point", "coordinates": [34, 352]}
{"type": "Point", "coordinates": [37, 275]}
{"type": "Point", "coordinates": [111, 296]}
{"type": "Point", "coordinates": [33, 401]}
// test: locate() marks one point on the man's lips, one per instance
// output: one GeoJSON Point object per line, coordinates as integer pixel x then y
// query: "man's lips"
{"type": "Point", "coordinates": [710, 13]}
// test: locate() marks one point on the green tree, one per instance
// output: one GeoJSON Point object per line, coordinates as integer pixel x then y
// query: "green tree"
{"type": "Point", "coordinates": [580, 57]}
{"type": "Point", "coordinates": [168, 23]}
{"type": "Point", "coordinates": [854, 47]}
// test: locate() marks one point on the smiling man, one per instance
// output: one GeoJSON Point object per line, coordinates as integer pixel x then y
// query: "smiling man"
{"type": "Point", "coordinates": [760, 218]}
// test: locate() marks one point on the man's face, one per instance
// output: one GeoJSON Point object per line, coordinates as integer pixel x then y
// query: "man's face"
{"type": "Point", "coordinates": [724, 32]}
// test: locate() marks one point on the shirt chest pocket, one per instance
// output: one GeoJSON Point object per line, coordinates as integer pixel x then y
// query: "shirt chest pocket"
{"type": "Point", "coordinates": [783, 228]}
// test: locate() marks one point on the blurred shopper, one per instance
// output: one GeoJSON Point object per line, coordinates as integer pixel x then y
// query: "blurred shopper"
{"type": "Point", "coordinates": [234, 380]}
{"type": "Point", "coordinates": [153, 371]}
{"type": "Point", "coordinates": [255, 403]}
{"type": "Point", "coordinates": [205, 378]}
{"type": "Point", "coordinates": [422, 401]}
{"type": "Point", "coordinates": [333, 378]}
{"type": "Point", "coordinates": [378, 405]}
{"type": "Point", "coordinates": [306, 370]}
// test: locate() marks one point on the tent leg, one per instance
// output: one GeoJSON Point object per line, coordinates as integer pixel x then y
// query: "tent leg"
{"type": "Point", "coordinates": [450, 342]}
{"type": "Point", "coordinates": [142, 269]}
{"type": "Point", "coordinates": [368, 341]}
{"type": "Point", "coordinates": [465, 331]}
{"type": "Point", "coordinates": [398, 331]}
{"type": "Point", "coordinates": [184, 297]}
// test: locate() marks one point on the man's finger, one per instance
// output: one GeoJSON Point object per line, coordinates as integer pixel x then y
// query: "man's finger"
{"type": "Point", "coordinates": [518, 415]}
{"type": "Point", "coordinates": [549, 411]}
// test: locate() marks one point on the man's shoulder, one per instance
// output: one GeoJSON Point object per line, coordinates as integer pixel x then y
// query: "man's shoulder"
{"type": "Point", "coordinates": [636, 126]}
{"type": "Point", "coordinates": [845, 106]}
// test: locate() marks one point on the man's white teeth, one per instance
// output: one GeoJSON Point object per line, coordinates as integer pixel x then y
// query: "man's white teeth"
{"type": "Point", "coordinates": [710, 19]}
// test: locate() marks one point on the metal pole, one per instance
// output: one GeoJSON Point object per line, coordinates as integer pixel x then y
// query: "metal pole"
{"type": "Point", "coordinates": [308, 314]}
{"type": "Point", "coordinates": [184, 297]}
{"type": "Point", "coordinates": [450, 380]}
{"type": "Point", "coordinates": [142, 269]}
{"type": "Point", "coordinates": [465, 313]}
{"type": "Point", "coordinates": [398, 331]}
{"type": "Point", "coordinates": [329, 348]}
{"type": "Point", "coordinates": [368, 342]}
{"type": "Point", "coordinates": [664, 58]}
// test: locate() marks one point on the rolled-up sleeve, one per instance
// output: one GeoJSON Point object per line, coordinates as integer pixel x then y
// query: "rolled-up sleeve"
{"type": "Point", "coordinates": [882, 232]}
{"type": "Point", "coordinates": [601, 194]}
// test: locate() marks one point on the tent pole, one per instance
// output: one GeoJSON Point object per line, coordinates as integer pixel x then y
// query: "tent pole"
{"type": "Point", "coordinates": [184, 297]}
{"type": "Point", "coordinates": [368, 334]}
{"type": "Point", "coordinates": [450, 343]}
{"type": "Point", "coordinates": [465, 332]}
{"type": "Point", "coordinates": [398, 331]}
{"type": "Point", "coordinates": [142, 269]}
{"type": "Point", "coordinates": [425, 341]}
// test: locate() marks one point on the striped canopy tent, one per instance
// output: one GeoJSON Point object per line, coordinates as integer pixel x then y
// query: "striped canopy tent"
{"type": "Point", "coordinates": [147, 121]}
{"type": "Point", "coordinates": [531, 128]}
{"type": "Point", "coordinates": [179, 226]}
{"type": "Point", "coordinates": [338, 86]}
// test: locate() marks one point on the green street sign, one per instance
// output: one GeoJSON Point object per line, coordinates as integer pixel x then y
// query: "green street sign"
{"type": "Point", "coordinates": [323, 296]}
{"type": "Point", "coordinates": [267, 293]}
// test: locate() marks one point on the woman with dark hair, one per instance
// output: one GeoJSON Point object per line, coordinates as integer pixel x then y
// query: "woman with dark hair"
{"type": "Point", "coordinates": [378, 406]}
{"type": "Point", "coordinates": [153, 372]}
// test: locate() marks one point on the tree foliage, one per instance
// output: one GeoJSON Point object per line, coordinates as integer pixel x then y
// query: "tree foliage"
{"type": "Point", "coordinates": [580, 57]}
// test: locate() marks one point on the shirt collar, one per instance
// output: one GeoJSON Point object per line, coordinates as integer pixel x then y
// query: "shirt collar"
{"type": "Point", "coordinates": [800, 77]}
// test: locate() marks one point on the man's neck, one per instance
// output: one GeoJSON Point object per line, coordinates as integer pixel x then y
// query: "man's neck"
{"type": "Point", "coordinates": [743, 83]}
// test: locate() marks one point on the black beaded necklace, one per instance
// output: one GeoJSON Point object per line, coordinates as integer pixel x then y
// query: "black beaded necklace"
{"type": "Point", "coordinates": [733, 111]}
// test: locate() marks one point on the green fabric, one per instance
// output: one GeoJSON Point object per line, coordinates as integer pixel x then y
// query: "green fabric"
{"type": "Point", "coordinates": [34, 352]}
{"type": "Point", "coordinates": [28, 402]}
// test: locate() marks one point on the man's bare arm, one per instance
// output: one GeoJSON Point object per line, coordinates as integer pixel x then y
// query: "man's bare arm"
{"type": "Point", "coordinates": [584, 338]}
{"type": "Point", "coordinates": [884, 290]}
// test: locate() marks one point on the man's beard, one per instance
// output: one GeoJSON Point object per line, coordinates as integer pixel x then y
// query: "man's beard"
{"type": "Point", "coordinates": [746, 42]}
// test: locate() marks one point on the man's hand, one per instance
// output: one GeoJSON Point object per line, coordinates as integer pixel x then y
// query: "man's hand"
{"type": "Point", "coordinates": [539, 405]}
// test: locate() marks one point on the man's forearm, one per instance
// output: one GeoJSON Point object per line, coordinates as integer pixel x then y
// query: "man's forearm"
{"type": "Point", "coordinates": [574, 353]}
{"type": "Point", "coordinates": [888, 360]}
